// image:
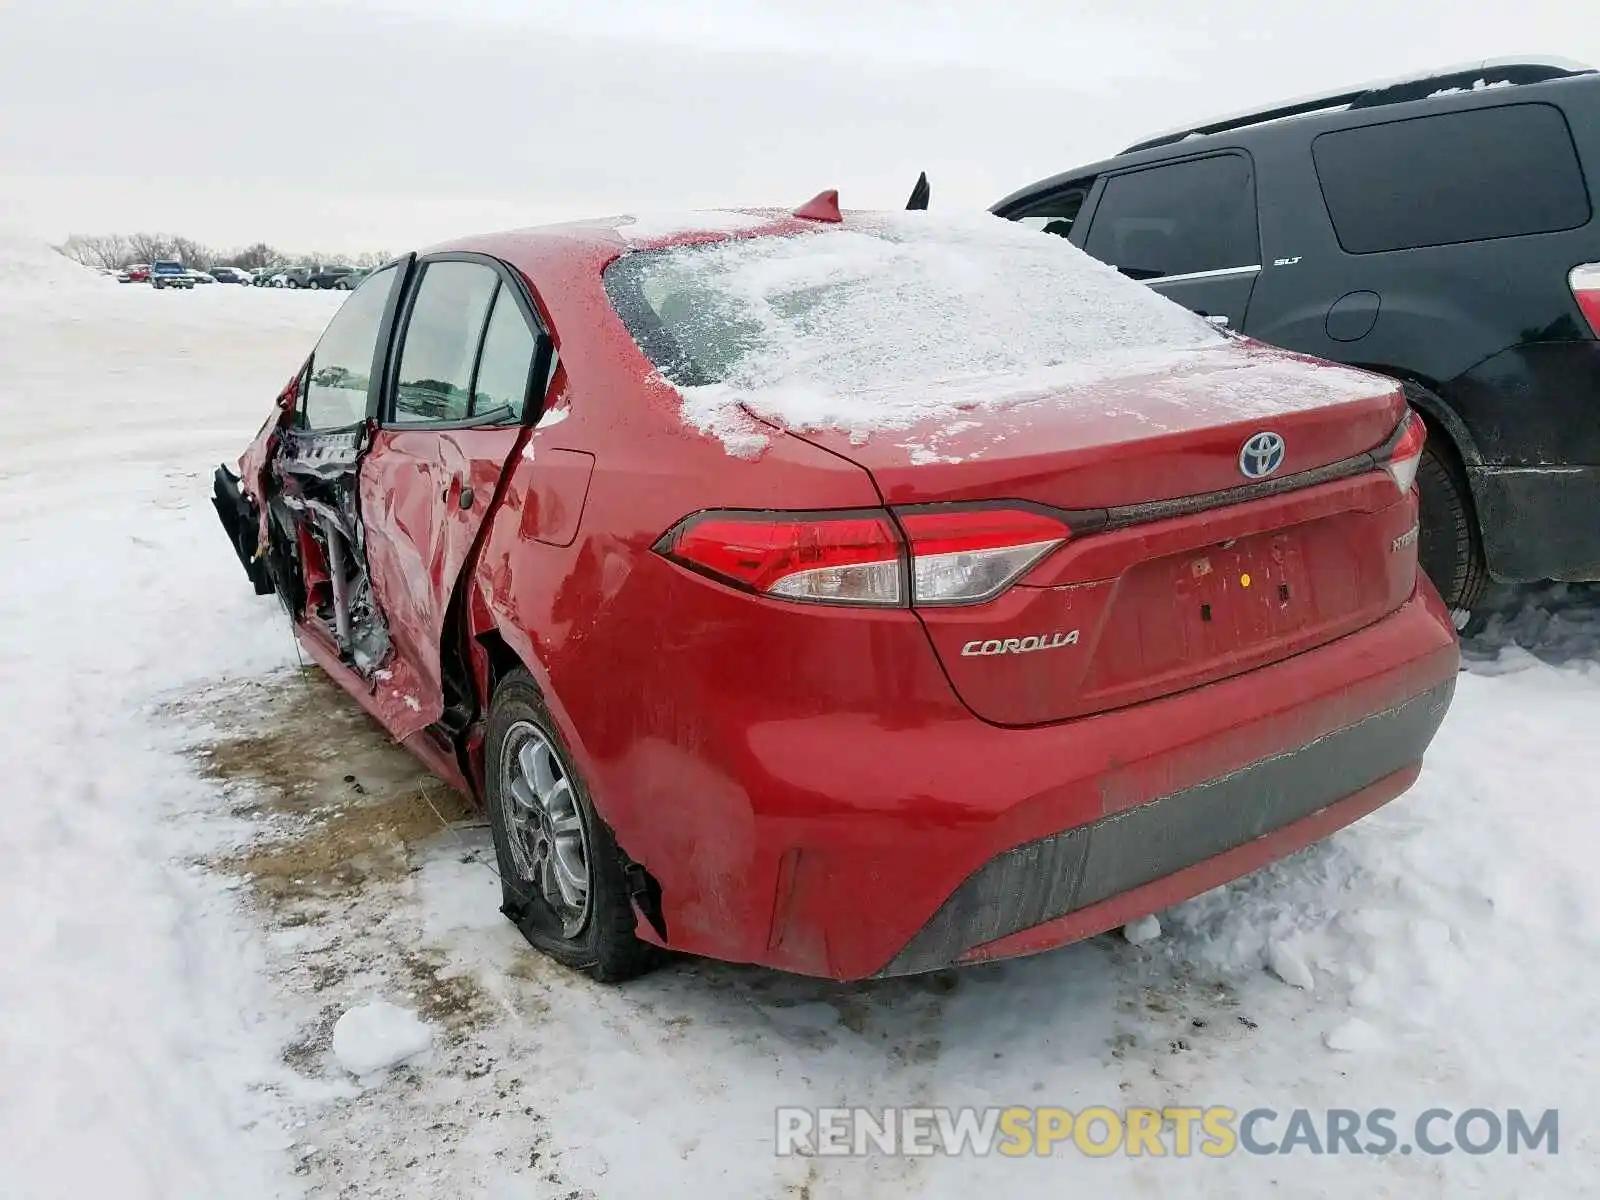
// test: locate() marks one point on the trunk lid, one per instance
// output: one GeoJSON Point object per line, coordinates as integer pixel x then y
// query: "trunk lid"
{"type": "Point", "coordinates": [1157, 430]}
{"type": "Point", "coordinates": [1150, 598]}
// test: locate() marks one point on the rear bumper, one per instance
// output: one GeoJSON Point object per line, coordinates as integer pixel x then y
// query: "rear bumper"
{"type": "Point", "coordinates": [850, 848]}
{"type": "Point", "coordinates": [1061, 887]}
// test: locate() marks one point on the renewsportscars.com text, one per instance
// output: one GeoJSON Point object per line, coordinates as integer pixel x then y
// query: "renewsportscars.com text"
{"type": "Point", "coordinates": [1209, 1132]}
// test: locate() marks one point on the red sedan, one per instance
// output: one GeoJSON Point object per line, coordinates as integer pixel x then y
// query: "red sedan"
{"type": "Point", "coordinates": [856, 595]}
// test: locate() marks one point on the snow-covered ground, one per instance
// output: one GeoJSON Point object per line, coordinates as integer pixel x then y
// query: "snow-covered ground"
{"type": "Point", "coordinates": [210, 857]}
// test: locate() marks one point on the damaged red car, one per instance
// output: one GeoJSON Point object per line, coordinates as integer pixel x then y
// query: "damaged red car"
{"type": "Point", "coordinates": [854, 594]}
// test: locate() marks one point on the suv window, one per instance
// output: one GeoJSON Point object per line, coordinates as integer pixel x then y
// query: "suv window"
{"type": "Point", "coordinates": [508, 346]}
{"type": "Point", "coordinates": [1057, 211]}
{"type": "Point", "coordinates": [1190, 216]}
{"type": "Point", "coordinates": [440, 351]}
{"type": "Point", "coordinates": [1455, 177]}
{"type": "Point", "coordinates": [341, 366]}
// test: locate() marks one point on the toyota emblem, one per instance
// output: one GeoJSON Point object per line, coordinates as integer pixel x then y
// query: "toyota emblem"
{"type": "Point", "coordinates": [1262, 455]}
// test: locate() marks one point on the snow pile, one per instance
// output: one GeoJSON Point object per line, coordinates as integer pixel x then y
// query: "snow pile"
{"type": "Point", "coordinates": [897, 320]}
{"type": "Point", "coordinates": [29, 263]}
{"type": "Point", "coordinates": [376, 1036]}
{"type": "Point", "coordinates": [140, 1055]}
{"type": "Point", "coordinates": [1145, 929]}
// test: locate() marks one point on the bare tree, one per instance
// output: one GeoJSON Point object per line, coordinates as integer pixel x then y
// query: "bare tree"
{"type": "Point", "coordinates": [149, 247]}
{"type": "Point", "coordinates": [192, 253]}
{"type": "Point", "coordinates": [96, 250]}
{"type": "Point", "coordinates": [120, 250]}
{"type": "Point", "coordinates": [258, 255]}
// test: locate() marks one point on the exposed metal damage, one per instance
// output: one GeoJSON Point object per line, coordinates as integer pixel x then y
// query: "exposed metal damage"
{"type": "Point", "coordinates": [315, 553]}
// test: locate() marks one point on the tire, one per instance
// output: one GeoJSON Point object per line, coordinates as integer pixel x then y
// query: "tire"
{"type": "Point", "coordinates": [341, 286]}
{"type": "Point", "coordinates": [158, 285]}
{"type": "Point", "coordinates": [599, 940]}
{"type": "Point", "coordinates": [1449, 547]}
{"type": "Point", "coordinates": [314, 286]}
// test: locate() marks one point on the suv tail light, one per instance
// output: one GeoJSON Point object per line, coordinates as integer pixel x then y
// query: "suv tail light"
{"type": "Point", "coordinates": [1406, 456]}
{"type": "Point", "coordinates": [1585, 284]}
{"type": "Point", "coordinates": [950, 555]}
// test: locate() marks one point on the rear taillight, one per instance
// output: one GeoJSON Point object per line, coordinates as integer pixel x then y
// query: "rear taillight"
{"type": "Point", "coordinates": [968, 555]}
{"type": "Point", "coordinates": [1406, 455]}
{"type": "Point", "coordinates": [1585, 283]}
{"type": "Point", "coordinates": [950, 555]}
{"type": "Point", "coordinates": [827, 558]}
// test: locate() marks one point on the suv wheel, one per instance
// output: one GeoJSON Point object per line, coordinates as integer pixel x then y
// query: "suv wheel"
{"type": "Point", "coordinates": [1449, 547]}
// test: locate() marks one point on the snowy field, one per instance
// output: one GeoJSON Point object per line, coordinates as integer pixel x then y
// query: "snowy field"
{"type": "Point", "coordinates": [210, 857]}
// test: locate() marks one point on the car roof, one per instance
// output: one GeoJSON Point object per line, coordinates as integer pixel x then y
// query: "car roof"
{"type": "Point", "coordinates": [591, 244]}
{"type": "Point", "coordinates": [1469, 85]}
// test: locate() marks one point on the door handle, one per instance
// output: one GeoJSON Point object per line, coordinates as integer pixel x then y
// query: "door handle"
{"type": "Point", "coordinates": [464, 496]}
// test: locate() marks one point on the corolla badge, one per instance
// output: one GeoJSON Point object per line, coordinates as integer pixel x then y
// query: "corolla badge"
{"type": "Point", "coordinates": [1261, 456]}
{"type": "Point", "coordinates": [1027, 645]}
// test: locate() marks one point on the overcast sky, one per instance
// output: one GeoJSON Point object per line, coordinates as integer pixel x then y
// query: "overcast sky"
{"type": "Point", "coordinates": [382, 124]}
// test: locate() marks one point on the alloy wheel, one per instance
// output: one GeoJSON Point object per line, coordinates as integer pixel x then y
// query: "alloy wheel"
{"type": "Point", "coordinates": [548, 840]}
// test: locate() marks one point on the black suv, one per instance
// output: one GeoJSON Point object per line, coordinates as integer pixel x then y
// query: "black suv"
{"type": "Point", "coordinates": [1439, 230]}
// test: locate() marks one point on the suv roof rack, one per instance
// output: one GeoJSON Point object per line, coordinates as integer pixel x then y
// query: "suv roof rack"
{"type": "Point", "coordinates": [1386, 91]}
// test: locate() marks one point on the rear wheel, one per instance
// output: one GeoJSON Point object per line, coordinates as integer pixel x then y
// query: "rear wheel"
{"type": "Point", "coordinates": [561, 874]}
{"type": "Point", "coordinates": [314, 286]}
{"type": "Point", "coordinates": [1449, 547]}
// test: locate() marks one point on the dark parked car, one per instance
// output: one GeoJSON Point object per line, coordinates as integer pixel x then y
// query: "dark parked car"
{"type": "Point", "coordinates": [338, 278]}
{"type": "Point", "coordinates": [230, 275]}
{"type": "Point", "coordinates": [1440, 230]}
{"type": "Point", "coordinates": [171, 274]}
{"type": "Point", "coordinates": [1032, 604]}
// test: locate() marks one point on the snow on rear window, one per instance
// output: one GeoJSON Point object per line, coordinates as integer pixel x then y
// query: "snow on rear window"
{"type": "Point", "coordinates": [647, 227]}
{"type": "Point", "coordinates": [884, 323]}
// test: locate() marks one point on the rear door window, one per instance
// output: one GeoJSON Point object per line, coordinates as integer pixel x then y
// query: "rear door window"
{"type": "Point", "coordinates": [1455, 177]}
{"type": "Point", "coordinates": [439, 355]}
{"type": "Point", "coordinates": [501, 388]}
{"type": "Point", "coordinates": [1178, 219]}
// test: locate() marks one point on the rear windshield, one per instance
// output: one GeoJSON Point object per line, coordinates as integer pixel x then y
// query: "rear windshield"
{"type": "Point", "coordinates": [167, 266]}
{"type": "Point", "coordinates": [884, 304]}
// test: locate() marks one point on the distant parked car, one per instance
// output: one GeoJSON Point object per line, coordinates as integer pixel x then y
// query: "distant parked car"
{"type": "Point", "coordinates": [231, 275]}
{"type": "Point", "coordinates": [352, 279]}
{"type": "Point", "coordinates": [341, 278]}
{"type": "Point", "coordinates": [170, 274]}
{"type": "Point", "coordinates": [137, 273]}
